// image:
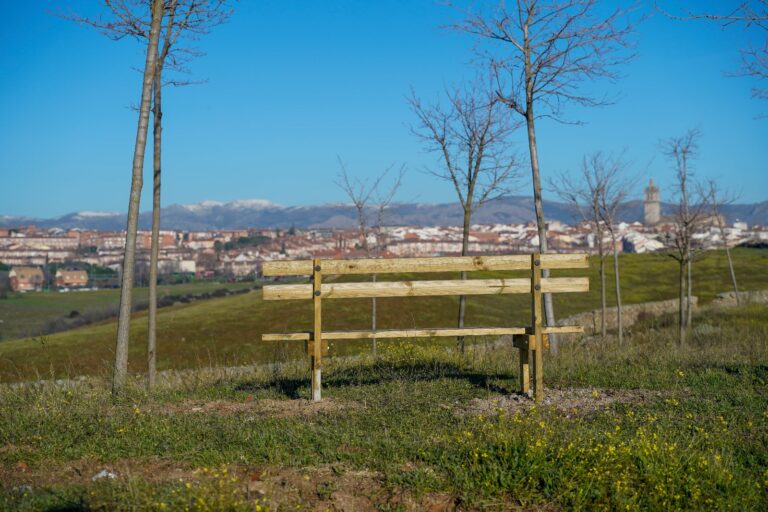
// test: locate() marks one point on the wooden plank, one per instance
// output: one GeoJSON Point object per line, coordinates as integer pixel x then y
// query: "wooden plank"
{"type": "Point", "coordinates": [287, 336]}
{"type": "Point", "coordinates": [564, 329]}
{"type": "Point", "coordinates": [425, 288]}
{"type": "Point", "coordinates": [439, 264]}
{"type": "Point", "coordinates": [317, 335]}
{"type": "Point", "coordinates": [397, 333]}
{"type": "Point", "coordinates": [417, 333]}
{"type": "Point", "coordinates": [564, 284]}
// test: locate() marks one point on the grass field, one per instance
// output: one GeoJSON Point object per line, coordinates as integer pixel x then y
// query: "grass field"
{"type": "Point", "coordinates": [25, 314]}
{"type": "Point", "coordinates": [227, 331]}
{"type": "Point", "coordinates": [649, 425]}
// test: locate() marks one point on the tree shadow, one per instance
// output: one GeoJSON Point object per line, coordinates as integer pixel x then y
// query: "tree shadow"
{"type": "Point", "coordinates": [757, 373]}
{"type": "Point", "coordinates": [383, 372]}
{"type": "Point", "coordinates": [68, 507]}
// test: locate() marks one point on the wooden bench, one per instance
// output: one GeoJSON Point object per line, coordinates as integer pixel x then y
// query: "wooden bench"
{"type": "Point", "coordinates": [531, 340]}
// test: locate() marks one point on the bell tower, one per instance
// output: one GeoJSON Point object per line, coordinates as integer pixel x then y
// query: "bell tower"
{"type": "Point", "coordinates": [652, 205]}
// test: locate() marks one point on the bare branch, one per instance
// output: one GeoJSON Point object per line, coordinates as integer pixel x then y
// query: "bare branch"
{"type": "Point", "coordinates": [751, 14]}
{"type": "Point", "coordinates": [553, 48]}
{"type": "Point", "coordinates": [471, 136]}
{"type": "Point", "coordinates": [692, 202]}
{"type": "Point", "coordinates": [366, 195]}
{"type": "Point", "coordinates": [183, 20]}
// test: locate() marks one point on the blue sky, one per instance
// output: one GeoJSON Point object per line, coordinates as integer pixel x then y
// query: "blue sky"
{"type": "Point", "coordinates": [293, 84]}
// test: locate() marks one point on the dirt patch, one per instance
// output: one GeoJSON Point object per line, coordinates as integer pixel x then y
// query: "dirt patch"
{"type": "Point", "coordinates": [322, 488]}
{"type": "Point", "coordinates": [88, 469]}
{"type": "Point", "coordinates": [268, 407]}
{"type": "Point", "coordinates": [569, 402]}
{"type": "Point", "coordinates": [336, 488]}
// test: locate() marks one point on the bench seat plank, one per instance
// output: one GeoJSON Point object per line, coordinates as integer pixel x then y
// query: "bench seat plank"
{"type": "Point", "coordinates": [418, 333]}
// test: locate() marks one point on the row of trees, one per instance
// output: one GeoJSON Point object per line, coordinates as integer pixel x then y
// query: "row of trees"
{"type": "Point", "coordinates": [535, 56]}
{"type": "Point", "coordinates": [599, 190]}
{"type": "Point", "coordinates": [603, 185]}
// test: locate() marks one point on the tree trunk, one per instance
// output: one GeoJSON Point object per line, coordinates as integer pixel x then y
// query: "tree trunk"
{"type": "Point", "coordinates": [129, 260]}
{"type": "Point", "coordinates": [603, 305]}
{"type": "Point", "coordinates": [157, 130]}
{"type": "Point", "coordinates": [549, 311]}
{"type": "Point", "coordinates": [619, 323]}
{"type": "Point", "coordinates": [464, 252]}
{"type": "Point", "coordinates": [728, 255]}
{"type": "Point", "coordinates": [688, 301]}
{"type": "Point", "coordinates": [733, 274]}
{"type": "Point", "coordinates": [373, 319]}
{"type": "Point", "coordinates": [681, 307]}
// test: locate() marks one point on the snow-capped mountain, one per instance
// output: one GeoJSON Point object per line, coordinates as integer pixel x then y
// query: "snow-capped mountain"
{"type": "Point", "coordinates": [248, 213]}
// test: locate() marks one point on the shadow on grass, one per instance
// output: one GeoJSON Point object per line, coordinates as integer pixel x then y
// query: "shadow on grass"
{"type": "Point", "coordinates": [758, 374]}
{"type": "Point", "coordinates": [68, 507]}
{"type": "Point", "coordinates": [383, 372]}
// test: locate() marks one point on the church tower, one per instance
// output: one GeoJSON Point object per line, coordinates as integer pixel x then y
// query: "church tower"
{"type": "Point", "coordinates": [652, 205]}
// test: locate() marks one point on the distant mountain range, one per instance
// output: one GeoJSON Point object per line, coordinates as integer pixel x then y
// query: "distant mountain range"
{"type": "Point", "coordinates": [250, 213]}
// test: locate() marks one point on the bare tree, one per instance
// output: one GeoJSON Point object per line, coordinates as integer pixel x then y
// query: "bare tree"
{"type": "Point", "coordinates": [190, 18]}
{"type": "Point", "coordinates": [716, 200]}
{"type": "Point", "coordinates": [471, 135]}
{"type": "Point", "coordinates": [617, 187]}
{"type": "Point", "coordinates": [181, 20]}
{"type": "Point", "coordinates": [597, 195]}
{"type": "Point", "coordinates": [585, 196]}
{"type": "Point", "coordinates": [687, 217]}
{"type": "Point", "coordinates": [381, 201]}
{"type": "Point", "coordinates": [359, 192]}
{"type": "Point", "coordinates": [751, 14]}
{"type": "Point", "coordinates": [366, 197]}
{"type": "Point", "coordinates": [126, 291]}
{"type": "Point", "coordinates": [549, 49]}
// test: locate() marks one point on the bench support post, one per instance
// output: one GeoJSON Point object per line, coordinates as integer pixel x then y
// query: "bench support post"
{"type": "Point", "coordinates": [316, 358]}
{"type": "Point", "coordinates": [525, 371]}
{"type": "Point", "coordinates": [537, 327]}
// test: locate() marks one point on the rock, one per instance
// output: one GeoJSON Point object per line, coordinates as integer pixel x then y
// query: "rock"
{"type": "Point", "coordinates": [104, 474]}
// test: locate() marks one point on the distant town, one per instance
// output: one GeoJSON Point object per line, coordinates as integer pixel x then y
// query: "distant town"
{"type": "Point", "coordinates": [33, 259]}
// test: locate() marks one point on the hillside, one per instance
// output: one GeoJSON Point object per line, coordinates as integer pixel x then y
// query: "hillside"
{"type": "Point", "coordinates": [227, 331]}
{"type": "Point", "coordinates": [24, 315]}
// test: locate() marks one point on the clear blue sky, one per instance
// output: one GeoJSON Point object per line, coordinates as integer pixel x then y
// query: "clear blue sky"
{"type": "Point", "coordinates": [292, 84]}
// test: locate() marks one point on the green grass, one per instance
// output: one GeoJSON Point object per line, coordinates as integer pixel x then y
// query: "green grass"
{"type": "Point", "coordinates": [227, 331]}
{"type": "Point", "coordinates": [403, 428]}
{"type": "Point", "coordinates": [25, 314]}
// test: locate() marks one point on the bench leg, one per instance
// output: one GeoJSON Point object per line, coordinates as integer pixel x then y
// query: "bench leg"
{"type": "Point", "coordinates": [538, 370]}
{"type": "Point", "coordinates": [525, 371]}
{"type": "Point", "coordinates": [316, 381]}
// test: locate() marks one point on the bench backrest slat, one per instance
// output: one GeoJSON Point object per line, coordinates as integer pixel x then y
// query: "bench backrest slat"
{"type": "Point", "coordinates": [424, 288]}
{"type": "Point", "coordinates": [437, 264]}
